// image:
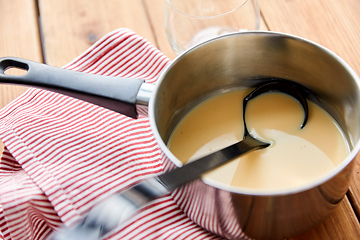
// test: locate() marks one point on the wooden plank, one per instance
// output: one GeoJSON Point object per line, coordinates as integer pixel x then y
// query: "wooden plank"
{"type": "Point", "coordinates": [70, 27]}
{"type": "Point", "coordinates": [354, 190]}
{"type": "Point", "coordinates": [155, 11]}
{"type": "Point", "coordinates": [19, 37]}
{"type": "Point", "coordinates": [342, 224]}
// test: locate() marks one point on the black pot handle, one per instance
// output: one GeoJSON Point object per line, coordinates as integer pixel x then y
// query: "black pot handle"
{"type": "Point", "coordinates": [117, 94]}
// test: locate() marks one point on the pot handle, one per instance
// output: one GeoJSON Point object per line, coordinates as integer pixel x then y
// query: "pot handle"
{"type": "Point", "coordinates": [117, 94]}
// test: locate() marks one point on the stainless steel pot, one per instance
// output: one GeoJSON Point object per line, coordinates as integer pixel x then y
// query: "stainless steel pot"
{"type": "Point", "coordinates": [243, 60]}
{"type": "Point", "coordinates": [238, 60]}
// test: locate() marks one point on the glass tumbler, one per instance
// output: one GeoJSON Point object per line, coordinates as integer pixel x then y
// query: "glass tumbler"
{"type": "Point", "coordinates": [189, 22]}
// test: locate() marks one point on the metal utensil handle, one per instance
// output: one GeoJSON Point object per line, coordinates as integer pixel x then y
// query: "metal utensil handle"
{"type": "Point", "coordinates": [193, 170]}
{"type": "Point", "coordinates": [113, 211]}
{"type": "Point", "coordinates": [107, 215]}
{"type": "Point", "coordinates": [117, 94]}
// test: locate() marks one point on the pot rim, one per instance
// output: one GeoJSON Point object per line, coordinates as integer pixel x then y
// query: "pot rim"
{"type": "Point", "coordinates": [246, 191]}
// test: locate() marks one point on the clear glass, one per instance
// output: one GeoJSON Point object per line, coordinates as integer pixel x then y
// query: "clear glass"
{"type": "Point", "coordinates": [189, 22]}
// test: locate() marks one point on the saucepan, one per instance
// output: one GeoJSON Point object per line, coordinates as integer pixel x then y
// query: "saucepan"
{"type": "Point", "coordinates": [238, 60]}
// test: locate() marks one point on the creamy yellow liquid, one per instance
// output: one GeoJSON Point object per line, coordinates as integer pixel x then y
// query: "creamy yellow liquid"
{"type": "Point", "coordinates": [295, 157]}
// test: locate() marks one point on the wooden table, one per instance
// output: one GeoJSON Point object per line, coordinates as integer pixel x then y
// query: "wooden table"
{"type": "Point", "coordinates": [56, 31]}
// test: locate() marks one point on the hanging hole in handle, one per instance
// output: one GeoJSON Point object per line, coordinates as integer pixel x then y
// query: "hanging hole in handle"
{"type": "Point", "coordinates": [16, 71]}
{"type": "Point", "coordinates": [13, 67]}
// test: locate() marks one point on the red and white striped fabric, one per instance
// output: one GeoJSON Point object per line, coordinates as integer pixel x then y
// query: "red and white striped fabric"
{"type": "Point", "coordinates": [64, 155]}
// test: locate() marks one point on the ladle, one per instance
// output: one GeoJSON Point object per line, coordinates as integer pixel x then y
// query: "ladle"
{"type": "Point", "coordinates": [114, 210]}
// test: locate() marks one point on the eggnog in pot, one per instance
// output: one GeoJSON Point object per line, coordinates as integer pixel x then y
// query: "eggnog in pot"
{"type": "Point", "coordinates": [295, 158]}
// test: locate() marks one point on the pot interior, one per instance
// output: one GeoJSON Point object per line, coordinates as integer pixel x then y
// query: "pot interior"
{"type": "Point", "coordinates": [244, 60]}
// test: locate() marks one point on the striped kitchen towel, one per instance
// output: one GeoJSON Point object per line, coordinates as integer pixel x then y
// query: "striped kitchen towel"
{"type": "Point", "coordinates": [64, 155]}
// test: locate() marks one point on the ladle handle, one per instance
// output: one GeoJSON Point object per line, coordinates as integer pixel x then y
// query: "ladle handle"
{"type": "Point", "coordinates": [195, 169]}
{"type": "Point", "coordinates": [113, 211]}
{"type": "Point", "coordinates": [117, 94]}
{"type": "Point", "coordinates": [116, 209]}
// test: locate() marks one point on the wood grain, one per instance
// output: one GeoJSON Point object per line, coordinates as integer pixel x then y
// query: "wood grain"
{"type": "Point", "coordinates": [19, 37]}
{"type": "Point", "coordinates": [354, 190]}
{"type": "Point", "coordinates": [70, 27]}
